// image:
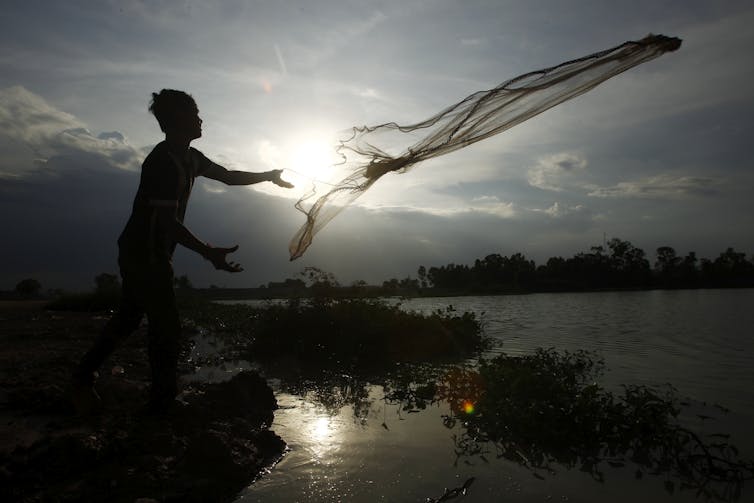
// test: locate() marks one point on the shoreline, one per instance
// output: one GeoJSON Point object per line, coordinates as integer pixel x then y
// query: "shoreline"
{"type": "Point", "coordinates": [214, 443]}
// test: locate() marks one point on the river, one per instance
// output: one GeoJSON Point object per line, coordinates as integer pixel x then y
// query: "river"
{"type": "Point", "coordinates": [700, 341]}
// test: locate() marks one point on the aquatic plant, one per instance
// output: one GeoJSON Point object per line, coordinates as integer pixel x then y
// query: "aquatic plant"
{"type": "Point", "coordinates": [546, 410]}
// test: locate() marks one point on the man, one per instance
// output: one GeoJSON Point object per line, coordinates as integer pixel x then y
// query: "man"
{"type": "Point", "coordinates": [146, 248]}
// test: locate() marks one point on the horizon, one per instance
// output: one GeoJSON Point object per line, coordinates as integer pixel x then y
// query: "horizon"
{"type": "Point", "coordinates": [651, 258]}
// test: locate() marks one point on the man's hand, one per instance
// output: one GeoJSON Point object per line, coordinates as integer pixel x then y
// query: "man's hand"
{"type": "Point", "coordinates": [275, 178]}
{"type": "Point", "coordinates": [218, 258]}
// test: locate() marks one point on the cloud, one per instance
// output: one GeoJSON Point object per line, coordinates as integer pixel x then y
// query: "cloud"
{"type": "Point", "coordinates": [492, 205]}
{"type": "Point", "coordinates": [448, 206]}
{"type": "Point", "coordinates": [46, 132]}
{"type": "Point", "coordinates": [559, 221]}
{"type": "Point", "coordinates": [663, 186]}
{"type": "Point", "coordinates": [551, 172]}
{"type": "Point", "coordinates": [559, 211]}
{"type": "Point", "coordinates": [28, 118]}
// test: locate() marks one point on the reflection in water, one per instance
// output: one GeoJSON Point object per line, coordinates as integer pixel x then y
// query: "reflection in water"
{"type": "Point", "coordinates": [323, 433]}
{"type": "Point", "coordinates": [543, 412]}
{"type": "Point", "coordinates": [546, 410]}
{"type": "Point", "coordinates": [407, 433]}
{"type": "Point", "coordinates": [320, 429]}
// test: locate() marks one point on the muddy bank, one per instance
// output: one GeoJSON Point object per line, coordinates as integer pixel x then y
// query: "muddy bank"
{"type": "Point", "coordinates": [211, 445]}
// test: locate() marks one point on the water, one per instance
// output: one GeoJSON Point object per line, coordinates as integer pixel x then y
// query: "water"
{"type": "Point", "coordinates": [697, 340]}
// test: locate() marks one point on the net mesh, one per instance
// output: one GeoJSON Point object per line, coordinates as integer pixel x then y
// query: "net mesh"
{"type": "Point", "coordinates": [372, 151]}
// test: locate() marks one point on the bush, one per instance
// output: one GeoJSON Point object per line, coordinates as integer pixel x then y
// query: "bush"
{"type": "Point", "coordinates": [344, 332]}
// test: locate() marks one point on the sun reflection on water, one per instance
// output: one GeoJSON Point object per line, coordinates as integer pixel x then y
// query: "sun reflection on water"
{"type": "Point", "coordinates": [320, 434]}
{"type": "Point", "coordinates": [320, 428]}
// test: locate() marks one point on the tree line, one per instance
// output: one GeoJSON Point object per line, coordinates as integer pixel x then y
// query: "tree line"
{"type": "Point", "coordinates": [618, 265]}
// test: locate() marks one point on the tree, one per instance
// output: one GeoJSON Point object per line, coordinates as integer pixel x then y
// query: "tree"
{"type": "Point", "coordinates": [688, 269]}
{"type": "Point", "coordinates": [667, 260]}
{"type": "Point", "coordinates": [391, 284]}
{"type": "Point", "coordinates": [732, 268]}
{"type": "Point", "coordinates": [409, 283]}
{"type": "Point", "coordinates": [422, 273]}
{"type": "Point", "coordinates": [519, 270]}
{"type": "Point", "coordinates": [628, 263]}
{"type": "Point", "coordinates": [667, 265]}
{"type": "Point", "coordinates": [490, 270]}
{"type": "Point", "coordinates": [28, 287]}
{"type": "Point", "coordinates": [589, 270]}
{"type": "Point", "coordinates": [322, 285]}
{"type": "Point", "coordinates": [315, 277]}
{"type": "Point", "coordinates": [554, 274]}
{"type": "Point", "coordinates": [450, 276]}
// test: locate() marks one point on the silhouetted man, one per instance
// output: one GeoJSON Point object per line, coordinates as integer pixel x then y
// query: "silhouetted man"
{"type": "Point", "coordinates": [146, 248]}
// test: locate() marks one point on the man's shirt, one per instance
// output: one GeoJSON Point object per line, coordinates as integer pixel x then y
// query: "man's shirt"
{"type": "Point", "coordinates": [166, 181]}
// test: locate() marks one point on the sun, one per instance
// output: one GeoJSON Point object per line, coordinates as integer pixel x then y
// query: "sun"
{"type": "Point", "coordinates": [310, 159]}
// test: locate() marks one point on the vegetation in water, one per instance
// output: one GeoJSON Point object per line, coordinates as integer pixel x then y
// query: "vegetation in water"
{"type": "Point", "coordinates": [546, 410]}
{"type": "Point", "coordinates": [342, 334]}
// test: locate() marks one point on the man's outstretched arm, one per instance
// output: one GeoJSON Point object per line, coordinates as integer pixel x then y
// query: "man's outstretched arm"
{"type": "Point", "coordinates": [229, 177]}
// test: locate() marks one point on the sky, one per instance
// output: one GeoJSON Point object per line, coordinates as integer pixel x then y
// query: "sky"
{"type": "Point", "coordinates": [657, 156]}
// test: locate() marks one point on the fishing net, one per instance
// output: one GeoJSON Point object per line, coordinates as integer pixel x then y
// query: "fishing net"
{"type": "Point", "coordinates": [371, 152]}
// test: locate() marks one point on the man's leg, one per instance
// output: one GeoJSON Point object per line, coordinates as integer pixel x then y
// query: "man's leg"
{"type": "Point", "coordinates": [83, 395]}
{"type": "Point", "coordinates": [164, 338]}
{"type": "Point", "coordinates": [120, 326]}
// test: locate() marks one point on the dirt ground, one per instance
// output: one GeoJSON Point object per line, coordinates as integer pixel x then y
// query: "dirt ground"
{"type": "Point", "coordinates": [211, 445]}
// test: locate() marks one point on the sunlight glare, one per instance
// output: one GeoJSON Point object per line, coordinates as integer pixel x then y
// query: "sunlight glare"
{"type": "Point", "coordinates": [324, 438]}
{"type": "Point", "coordinates": [310, 159]}
{"type": "Point", "coordinates": [321, 428]}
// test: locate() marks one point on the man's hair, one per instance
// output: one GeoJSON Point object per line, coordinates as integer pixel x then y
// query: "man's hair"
{"type": "Point", "coordinates": [167, 104]}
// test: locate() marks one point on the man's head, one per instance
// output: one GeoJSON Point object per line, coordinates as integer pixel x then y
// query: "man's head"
{"type": "Point", "coordinates": [177, 113]}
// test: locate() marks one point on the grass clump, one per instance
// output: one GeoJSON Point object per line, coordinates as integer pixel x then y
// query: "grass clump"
{"type": "Point", "coordinates": [344, 332]}
{"type": "Point", "coordinates": [364, 330]}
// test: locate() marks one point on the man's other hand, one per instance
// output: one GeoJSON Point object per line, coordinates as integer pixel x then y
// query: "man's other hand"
{"type": "Point", "coordinates": [218, 257]}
